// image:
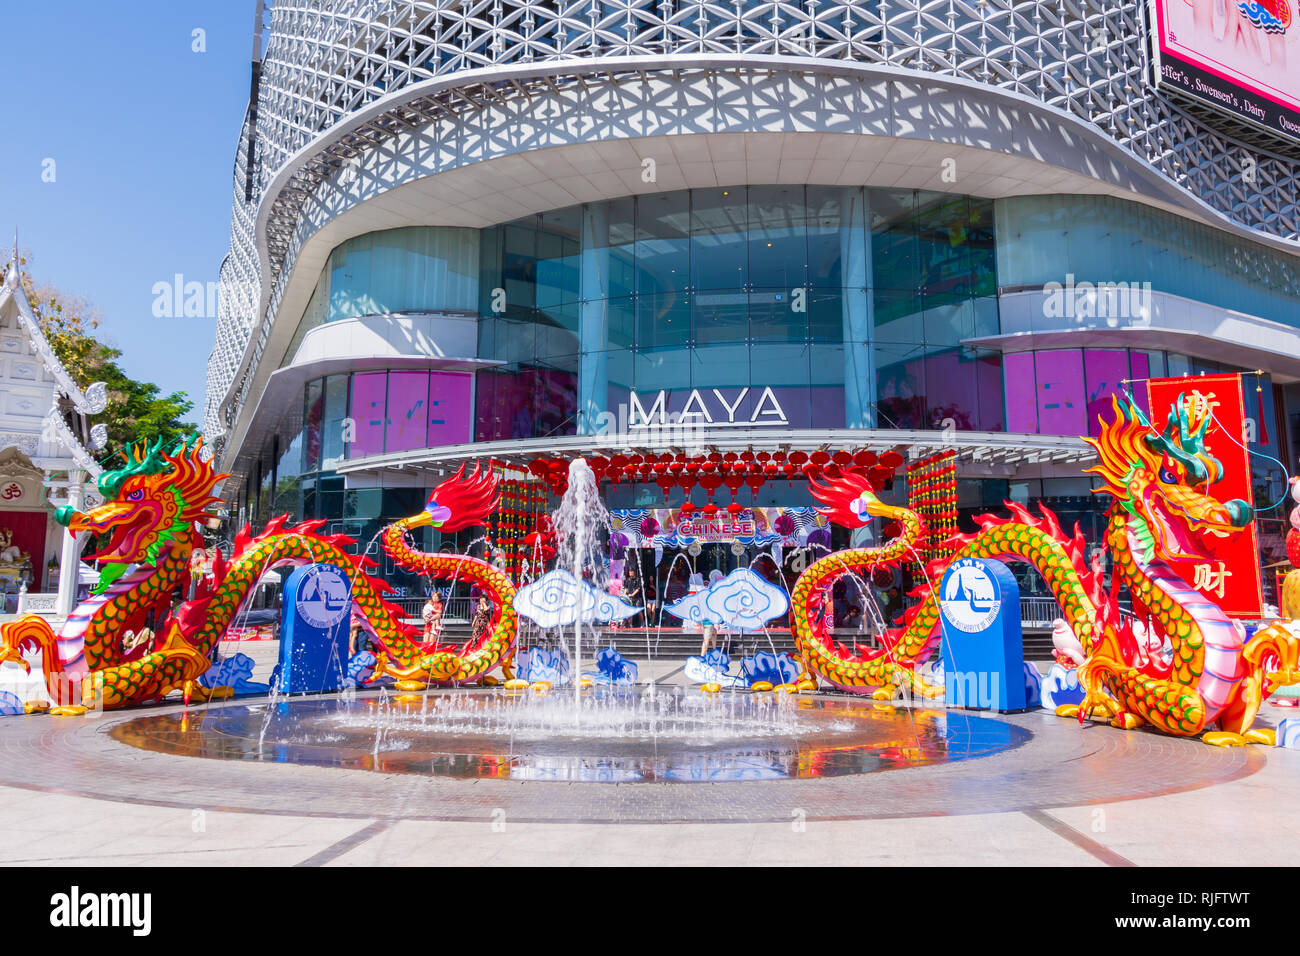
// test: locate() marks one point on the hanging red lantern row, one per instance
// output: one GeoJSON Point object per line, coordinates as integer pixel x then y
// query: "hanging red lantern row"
{"type": "Point", "coordinates": [932, 493]}
{"type": "Point", "coordinates": [716, 470]}
{"type": "Point", "coordinates": [515, 522]}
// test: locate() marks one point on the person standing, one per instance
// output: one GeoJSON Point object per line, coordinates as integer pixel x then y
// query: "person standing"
{"type": "Point", "coordinates": [710, 638]}
{"type": "Point", "coordinates": [482, 618]}
{"type": "Point", "coordinates": [432, 615]}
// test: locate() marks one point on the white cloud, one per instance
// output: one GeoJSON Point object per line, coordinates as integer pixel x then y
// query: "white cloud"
{"type": "Point", "coordinates": [558, 599]}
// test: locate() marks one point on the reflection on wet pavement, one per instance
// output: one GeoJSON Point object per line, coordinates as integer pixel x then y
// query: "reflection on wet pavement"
{"type": "Point", "coordinates": [617, 738]}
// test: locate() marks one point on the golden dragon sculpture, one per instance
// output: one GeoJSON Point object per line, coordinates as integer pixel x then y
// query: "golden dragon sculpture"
{"type": "Point", "coordinates": [152, 504]}
{"type": "Point", "coordinates": [1214, 683]}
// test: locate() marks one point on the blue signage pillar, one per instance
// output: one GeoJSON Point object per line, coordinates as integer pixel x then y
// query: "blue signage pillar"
{"type": "Point", "coordinates": [314, 622]}
{"type": "Point", "coordinates": [983, 647]}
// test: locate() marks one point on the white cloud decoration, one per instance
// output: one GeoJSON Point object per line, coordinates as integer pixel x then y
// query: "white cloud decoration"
{"type": "Point", "coordinates": [743, 599]}
{"type": "Point", "coordinates": [558, 599]}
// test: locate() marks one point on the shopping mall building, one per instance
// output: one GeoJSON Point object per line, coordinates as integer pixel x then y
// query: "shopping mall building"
{"type": "Point", "coordinates": [546, 228]}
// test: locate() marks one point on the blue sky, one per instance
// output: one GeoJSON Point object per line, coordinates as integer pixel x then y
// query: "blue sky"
{"type": "Point", "coordinates": [142, 131]}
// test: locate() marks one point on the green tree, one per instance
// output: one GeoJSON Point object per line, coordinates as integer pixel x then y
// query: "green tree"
{"type": "Point", "coordinates": [135, 409]}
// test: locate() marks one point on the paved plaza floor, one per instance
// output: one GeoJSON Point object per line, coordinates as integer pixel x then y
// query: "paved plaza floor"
{"type": "Point", "coordinates": [77, 791]}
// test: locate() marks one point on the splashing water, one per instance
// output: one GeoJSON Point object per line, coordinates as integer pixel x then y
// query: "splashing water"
{"type": "Point", "coordinates": [578, 524]}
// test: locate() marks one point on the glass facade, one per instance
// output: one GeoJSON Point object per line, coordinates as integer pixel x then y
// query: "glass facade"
{"type": "Point", "coordinates": [797, 306]}
{"type": "Point", "coordinates": [849, 304]}
{"type": "Point", "coordinates": [1103, 239]}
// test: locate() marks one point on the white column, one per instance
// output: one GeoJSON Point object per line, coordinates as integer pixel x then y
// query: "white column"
{"type": "Point", "coordinates": [70, 556]}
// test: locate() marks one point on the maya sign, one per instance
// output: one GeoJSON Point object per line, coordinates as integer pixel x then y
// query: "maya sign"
{"type": "Point", "coordinates": [714, 407]}
{"type": "Point", "coordinates": [1232, 578]}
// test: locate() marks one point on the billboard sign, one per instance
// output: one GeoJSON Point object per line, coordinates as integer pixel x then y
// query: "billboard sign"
{"type": "Point", "coordinates": [1241, 57]}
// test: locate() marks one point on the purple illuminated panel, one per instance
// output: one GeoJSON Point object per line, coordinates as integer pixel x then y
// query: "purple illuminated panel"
{"type": "Point", "coordinates": [451, 406]}
{"type": "Point", "coordinates": [1105, 370]}
{"type": "Point", "coordinates": [369, 412]}
{"type": "Point", "coordinates": [526, 404]}
{"type": "Point", "coordinates": [1061, 395]}
{"type": "Point", "coordinates": [988, 374]}
{"type": "Point", "coordinates": [408, 402]}
{"type": "Point", "coordinates": [1141, 373]}
{"type": "Point", "coordinates": [1022, 403]}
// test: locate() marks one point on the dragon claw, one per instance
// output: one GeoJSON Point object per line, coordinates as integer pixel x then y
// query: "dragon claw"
{"type": "Point", "coordinates": [1262, 735]}
{"type": "Point", "coordinates": [1222, 738]}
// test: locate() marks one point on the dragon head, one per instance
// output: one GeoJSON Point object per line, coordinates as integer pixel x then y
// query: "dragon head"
{"type": "Point", "coordinates": [851, 500]}
{"type": "Point", "coordinates": [459, 502]}
{"type": "Point", "coordinates": [154, 498]}
{"type": "Point", "coordinates": [1163, 480]}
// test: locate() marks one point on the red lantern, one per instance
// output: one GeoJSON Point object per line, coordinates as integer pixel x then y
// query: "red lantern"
{"type": "Point", "coordinates": [666, 482]}
{"type": "Point", "coordinates": [734, 483]}
{"type": "Point", "coordinates": [819, 458]}
{"type": "Point", "coordinates": [735, 509]}
{"type": "Point", "coordinates": [841, 458]}
{"type": "Point", "coordinates": [891, 459]}
{"type": "Point", "coordinates": [865, 459]}
{"type": "Point", "coordinates": [798, 458]}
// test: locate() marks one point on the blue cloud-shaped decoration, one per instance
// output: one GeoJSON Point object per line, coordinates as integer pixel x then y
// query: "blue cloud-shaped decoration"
{"type": "Point", "coordinates": [234, 672]}
{"type": "Point", "coordinates": [613, 668]}
{"type": "Point", "coordinates": [361, 671]}
{"type": "Point", "coordinates": [1261, 17]}
{"type": "Point", "coordinates": [1033, 686]}
{"type": "Point", "coordinates": [1288, 733]}
{"type": "Point", "coordinates": [10, 704]}
{"type": "Point", "coordinates": [773, 668]}
{"type": "Point", "coordinates": [742, 600]}
{"type": "Point", "coordinates": [540, 663]}
{"type": "Point", "coordinates": [558, 599]}
{"type": "Point", "coordinates": [712, 668]}
{"type": "Point", "coordinates": [1060, 687]}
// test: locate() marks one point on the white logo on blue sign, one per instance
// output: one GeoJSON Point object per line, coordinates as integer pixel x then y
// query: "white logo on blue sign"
{"type": "Point", "coordinates": [970, 600]}
{"type": "Point", "coordinates": [323, 597]}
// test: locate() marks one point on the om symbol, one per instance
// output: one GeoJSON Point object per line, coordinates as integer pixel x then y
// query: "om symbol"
{"type": "Point", "coordinates": [11, 491]}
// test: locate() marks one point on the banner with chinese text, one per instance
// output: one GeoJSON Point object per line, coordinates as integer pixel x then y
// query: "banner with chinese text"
{"type": "Point", "coordinates": [1232, 577]}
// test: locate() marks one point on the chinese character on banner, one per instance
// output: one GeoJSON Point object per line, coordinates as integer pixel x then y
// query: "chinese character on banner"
{"type": "Point", "coordinates": [1231, 575]}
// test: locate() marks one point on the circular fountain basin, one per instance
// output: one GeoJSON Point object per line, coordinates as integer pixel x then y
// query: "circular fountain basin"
{"type": "Point", "coordinates": [616, 735]}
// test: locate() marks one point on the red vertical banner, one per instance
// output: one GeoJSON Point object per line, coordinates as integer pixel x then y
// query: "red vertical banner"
{"type": "Point", "coordinates": [1231, 577]}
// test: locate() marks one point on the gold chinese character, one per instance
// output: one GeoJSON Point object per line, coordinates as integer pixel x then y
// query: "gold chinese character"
{"type": "Point", "coordinates": [1210, 579]}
